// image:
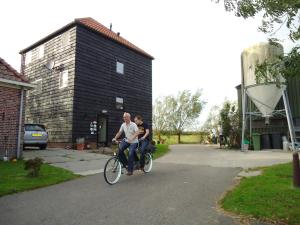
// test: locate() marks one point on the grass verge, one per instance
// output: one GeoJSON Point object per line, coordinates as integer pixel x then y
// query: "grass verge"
{"type": "Point", "coordinates": [161, 150]}
{"type": "Point", "coordinates": [13, 177]}
{"type": "Point", "coordinates": [269, 196]}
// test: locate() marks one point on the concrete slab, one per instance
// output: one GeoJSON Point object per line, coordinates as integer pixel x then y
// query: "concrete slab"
{"type": "Point", "coordinates": [79, 162]}
{"type": "Point", "coordinates": [250, 173]}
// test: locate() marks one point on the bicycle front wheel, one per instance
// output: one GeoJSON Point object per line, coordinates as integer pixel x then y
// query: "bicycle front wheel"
{"type": "Point", "coordinates": [148, 163]}
{"type": "Point", "coordinates": [112, 170]}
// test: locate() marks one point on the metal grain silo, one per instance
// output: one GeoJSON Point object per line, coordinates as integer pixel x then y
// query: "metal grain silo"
{"type": "Point", "coordinates": [265, 95]}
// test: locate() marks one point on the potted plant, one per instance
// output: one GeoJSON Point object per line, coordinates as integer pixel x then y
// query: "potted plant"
{"type": "Point", "coordinates": [80, 143]}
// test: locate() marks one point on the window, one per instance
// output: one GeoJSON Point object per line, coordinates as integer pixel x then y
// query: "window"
{"type": "Point", "coordinates": [34, 127]}
{"type": "Point", "coordinates": [63, 79]}
{"type": "Point", "coordinates": [120, 68]}
{"type": "Point", "coordinates": [41, 50]}
{"type": "Point", "coordinates": [65, 39]}
{"type": "Point", "coordinates": [119, 103]}
{"type": "Point", "coordinates": [28, 57]}
{"type": "Point", "coordinates": [38, 86]}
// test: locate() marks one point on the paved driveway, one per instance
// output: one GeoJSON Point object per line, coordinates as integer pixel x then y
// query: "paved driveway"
{"type": "Point", "coordinates": [182, 189]}
{"type": "Point", "coordinates": [212, 156]}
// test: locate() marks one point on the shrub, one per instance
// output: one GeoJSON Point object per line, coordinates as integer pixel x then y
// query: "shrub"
{"type": "Point", "coordinates": [33, 166]}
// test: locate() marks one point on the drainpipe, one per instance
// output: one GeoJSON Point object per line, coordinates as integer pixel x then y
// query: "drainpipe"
{"type": "Point", "coordinates": [20, 124]}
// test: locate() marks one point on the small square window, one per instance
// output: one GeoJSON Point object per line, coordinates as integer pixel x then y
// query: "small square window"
{"type": "Point", "coordinates": [63, 79]}
{"type": "Point", "coordinates": [119, 103]}
{"type": "Point", "coordinates": [28, 57]}
{"type": "Point", "coordinates": [120, 68]}
{"type": "Point", "coordinates": [65, 39]}
{"type": "Point", "coordinates": [41, 51]}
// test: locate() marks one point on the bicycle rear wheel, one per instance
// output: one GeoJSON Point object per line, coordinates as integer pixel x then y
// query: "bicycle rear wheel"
{"type": "Point", "coordinates": [112, 170]}
{"type": "Point", "coordinates": [148, 163]}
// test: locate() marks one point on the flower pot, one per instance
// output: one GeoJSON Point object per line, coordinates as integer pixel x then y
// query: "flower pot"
{"type": "Point", "coordinates": [80, 147]}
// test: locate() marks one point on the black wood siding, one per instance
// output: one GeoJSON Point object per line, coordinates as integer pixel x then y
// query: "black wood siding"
{"type": "Point", "coordinates": [97, 84]}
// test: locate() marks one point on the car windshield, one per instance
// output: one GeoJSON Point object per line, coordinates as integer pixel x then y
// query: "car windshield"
{"type": "Point", "coordinates": [34, 127]}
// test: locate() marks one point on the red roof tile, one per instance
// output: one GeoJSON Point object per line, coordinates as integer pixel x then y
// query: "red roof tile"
{"type": "Point", "coordinates": [98, 27]}
{"type": "Point", "coordinates": [8, 72]}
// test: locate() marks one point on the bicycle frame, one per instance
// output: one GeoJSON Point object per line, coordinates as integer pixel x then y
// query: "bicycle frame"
{"type": "Point", "coordinates": [116, 167]}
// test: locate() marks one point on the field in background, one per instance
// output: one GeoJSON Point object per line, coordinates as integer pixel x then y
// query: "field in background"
{"type": "Point", "coordinates": [185, 139]}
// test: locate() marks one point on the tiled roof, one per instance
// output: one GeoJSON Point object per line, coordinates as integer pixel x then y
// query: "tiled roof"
{"type": "Point", "coordinates": [9, 73]}
{"type": "Point", "coordinates": [96, 26]}
{"type": "Point", "coordinates": [92, 24]}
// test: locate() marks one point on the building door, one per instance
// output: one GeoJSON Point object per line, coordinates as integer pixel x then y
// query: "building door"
{"type": "Point", "coordinates": [102, 129]}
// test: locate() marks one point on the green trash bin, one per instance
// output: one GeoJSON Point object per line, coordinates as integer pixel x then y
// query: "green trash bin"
{"type": "Point", "coordinates": [256, 141]}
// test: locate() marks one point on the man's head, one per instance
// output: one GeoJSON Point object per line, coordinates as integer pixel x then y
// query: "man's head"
{"type": "Point", "coordinates": [138, 119]}
{"type": "Point", "coordinates": [127, 117]}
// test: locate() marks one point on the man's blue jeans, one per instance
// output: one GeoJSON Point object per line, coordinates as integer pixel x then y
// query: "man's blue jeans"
{"type": "Point", "coordinates": [144, 143]}
{"type": "Point", "coordinates": [132, 147]}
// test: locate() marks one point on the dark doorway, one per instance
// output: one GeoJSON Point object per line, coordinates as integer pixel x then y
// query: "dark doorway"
{"type": "Point", "coordinates": [102, 128]}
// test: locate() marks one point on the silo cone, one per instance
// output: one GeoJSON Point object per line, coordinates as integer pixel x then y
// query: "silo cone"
{"type": "Point", "coordinates": [265, 95]}
{"type": "Point", "coordinates": [256, 141]}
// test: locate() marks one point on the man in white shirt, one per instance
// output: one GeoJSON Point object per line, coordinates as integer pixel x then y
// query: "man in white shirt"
{"type": "Point", "coordinates": [131, 140]}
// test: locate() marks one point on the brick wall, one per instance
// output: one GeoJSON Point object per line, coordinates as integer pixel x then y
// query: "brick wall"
{"type": "Point", "coordinates": [9, 120]}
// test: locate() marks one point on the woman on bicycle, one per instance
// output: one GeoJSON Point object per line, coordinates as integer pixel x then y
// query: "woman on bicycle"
{"type": "Point", "coordinates": [143, 137]}
{"type": "Point", "coordinates": [131, 140]}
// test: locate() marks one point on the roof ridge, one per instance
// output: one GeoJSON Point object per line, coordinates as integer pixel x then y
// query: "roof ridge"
{"type": "Point", "coordinates": [97, 26]}
{"type": "Point", "coordinates": [94, 25]}
{"type": "Point", "coordinates": [15, 72]}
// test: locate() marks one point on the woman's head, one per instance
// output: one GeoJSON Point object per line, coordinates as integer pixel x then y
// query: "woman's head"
{"type": "Point", "coordinates": [138, 119]}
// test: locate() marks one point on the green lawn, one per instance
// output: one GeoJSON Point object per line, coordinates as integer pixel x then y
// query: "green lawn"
{"type": "Point", "coordinates": [269, 196]}
{"type": "Point", "coordinates": [13, 177]}
{"type": "Point", "coordinates": [185, 139]}
{"type": "Point", "coordinates": [161, 150]}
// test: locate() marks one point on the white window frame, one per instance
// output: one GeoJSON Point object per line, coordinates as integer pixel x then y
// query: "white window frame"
{"type": "Point", "coordinates": [38, 86]}
{"type": "Point", "coordinates": [65, 39]}
{"type": "Point", "coordinates": [28, 57]}
{"type": "Point", "coordinates": [119, 103]}
{"type": "Point", "coordinates": [41, 51]}
{"type": "Point", "coordinates": [120, 67]}
{"type": "Point", "coordinates": [63, 79]}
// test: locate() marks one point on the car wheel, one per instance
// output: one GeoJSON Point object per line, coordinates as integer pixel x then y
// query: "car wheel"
{"type": "Point", "coordinates": [43, 147]}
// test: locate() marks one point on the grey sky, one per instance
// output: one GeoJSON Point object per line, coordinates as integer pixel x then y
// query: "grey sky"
{"type": "Point", "coordinates": [196, 44]}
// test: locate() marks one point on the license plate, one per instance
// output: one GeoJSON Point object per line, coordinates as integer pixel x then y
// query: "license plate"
{"type": "Point", "coordinates": [37, 135]}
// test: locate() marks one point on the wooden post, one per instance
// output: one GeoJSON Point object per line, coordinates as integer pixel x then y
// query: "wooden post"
{"type": "Point", "coordinates": [296, 169]}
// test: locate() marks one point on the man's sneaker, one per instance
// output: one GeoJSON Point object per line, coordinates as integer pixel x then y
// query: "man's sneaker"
{"type": "Point", "coordinates": [129, 173]}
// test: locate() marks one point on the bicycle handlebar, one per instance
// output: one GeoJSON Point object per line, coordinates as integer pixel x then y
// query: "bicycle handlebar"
{"type": "Point", "coordinates": [116, 142]}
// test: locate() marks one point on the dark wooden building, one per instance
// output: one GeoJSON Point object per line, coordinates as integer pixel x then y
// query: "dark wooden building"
{"type": "Point", "coordinates": [86, 77]}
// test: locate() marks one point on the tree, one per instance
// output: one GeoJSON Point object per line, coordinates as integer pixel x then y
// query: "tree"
{"type": "Point", "coordinates": [177, 113]}
{"type": "Point", "coordinates": [212, 122]}
{"type": "Point", "coordinates": [276, 14]}
{"type": "Point", "coordinates": [229, 121]}
{"type": "Point", "coordinates": [183, 110]}
{"type": "Point", "coordinates": [160, 117]}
